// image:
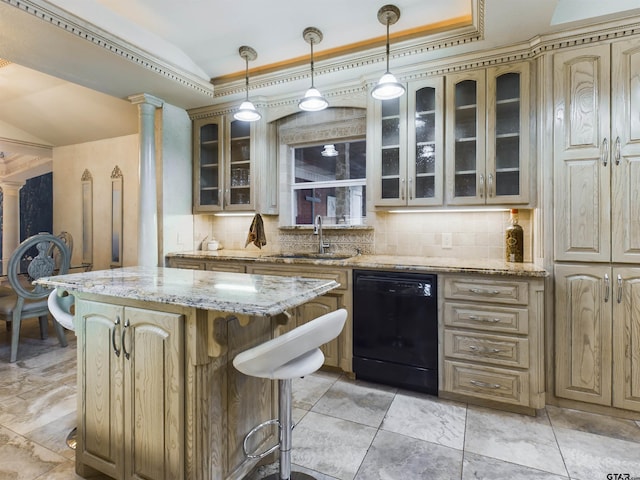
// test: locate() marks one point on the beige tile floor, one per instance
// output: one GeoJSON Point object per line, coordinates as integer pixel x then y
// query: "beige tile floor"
{"type": "Point", "coordinates": [346, 430]}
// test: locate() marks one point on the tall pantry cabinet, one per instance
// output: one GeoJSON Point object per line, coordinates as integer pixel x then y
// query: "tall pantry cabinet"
{"type": "Point", "coordinates": [597, 223]}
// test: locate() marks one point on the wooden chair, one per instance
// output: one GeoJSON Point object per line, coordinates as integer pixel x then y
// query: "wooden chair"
{"type": "Point", "coordinates": [27, 300]}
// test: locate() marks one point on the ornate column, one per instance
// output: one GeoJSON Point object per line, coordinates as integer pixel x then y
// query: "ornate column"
{"type": "Point", "coordinates": [147, 195]}
{"type": "Point", "coordinates": [10, 220]}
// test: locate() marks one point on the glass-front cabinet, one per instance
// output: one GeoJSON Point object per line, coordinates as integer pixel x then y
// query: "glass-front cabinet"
{"type": "Point", "coordinates": [408, 159]}
{"type": "Point", "coordinates": [488, 136]}
{"type": "Point", "coordinates": [222, 165]}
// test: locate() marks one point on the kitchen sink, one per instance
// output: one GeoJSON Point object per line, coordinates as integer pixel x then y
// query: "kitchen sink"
{"type": "Point", "coordinates": [311, 256]}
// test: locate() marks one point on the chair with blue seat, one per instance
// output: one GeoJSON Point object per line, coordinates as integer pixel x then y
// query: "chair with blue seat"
{"type": "Point", "coordinates": [26, 300]}
{"type": "Point", "coordinates": [292, 355]}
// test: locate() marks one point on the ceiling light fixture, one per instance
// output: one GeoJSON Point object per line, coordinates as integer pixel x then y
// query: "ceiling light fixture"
{"type": "Point", "coordinates": [388, 87]}
{"type": "Point", "coordinates": [313, 100]}
{"type": "Point", "coordinates": [329, 151]}
{"type": "Point", "coordinates": [247, 111]}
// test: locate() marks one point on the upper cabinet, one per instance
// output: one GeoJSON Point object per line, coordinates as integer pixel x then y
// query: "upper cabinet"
{"type": "Point", "coordinates": [222, 165]}
{"type": "Point", "coordinates": [225, 169]}
{"type": "Point", "coordinates": [409, 146]}
{"type": "Point", "coordinates": [488, 136]}
{"type": "Point", "coordinates": [597, 153]}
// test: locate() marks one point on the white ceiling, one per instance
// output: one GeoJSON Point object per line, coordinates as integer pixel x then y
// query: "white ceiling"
{"type": "Point", "coordinates": [64, 84]}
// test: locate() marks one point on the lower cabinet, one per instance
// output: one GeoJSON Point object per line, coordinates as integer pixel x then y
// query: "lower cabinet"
{"type": "Point", "coordinates": [597, 332]}
{"type": "Point", "coordinates": [493, 340]}
{"type": "Point", "coordinates": [131, 368]}
{"type": "Point", "coordinates": [338, 352]}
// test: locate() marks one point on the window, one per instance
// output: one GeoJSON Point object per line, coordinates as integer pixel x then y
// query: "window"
{"type": "Point", "coordinates": [331, 186]}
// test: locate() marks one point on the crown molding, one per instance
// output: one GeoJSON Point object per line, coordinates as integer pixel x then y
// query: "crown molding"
{"type": "Point", "coordinates": [64, 20]}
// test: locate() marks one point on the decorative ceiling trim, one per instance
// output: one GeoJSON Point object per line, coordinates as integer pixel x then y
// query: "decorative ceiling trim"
{"type": "Point", "coordinates": [4, 63]}
{"type": "Point", "coordinates": [356, 60]}
{"type": "Point", "coordinates": [64, 20]}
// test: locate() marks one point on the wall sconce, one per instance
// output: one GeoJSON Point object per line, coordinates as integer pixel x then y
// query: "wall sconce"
{"type": "Point", "coordinates": [388, 87]}
{"type": "Point", "coordinates": [329, 151]}
{"type": "Point", "coordinates": [247, 111]}
{"type": "Point", "coordinates": [313, 101]}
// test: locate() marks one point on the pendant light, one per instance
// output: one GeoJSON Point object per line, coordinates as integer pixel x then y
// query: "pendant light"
{"type": "Point", "coordinates": [313, 100]}
{"type": "Point", "coordinates": [388, 87]}
{"type": "Point", "coordinates": [247, 111]}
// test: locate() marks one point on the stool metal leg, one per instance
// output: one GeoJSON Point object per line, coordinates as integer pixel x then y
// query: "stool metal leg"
{"type": "Point", "coordinates": [286, 427]}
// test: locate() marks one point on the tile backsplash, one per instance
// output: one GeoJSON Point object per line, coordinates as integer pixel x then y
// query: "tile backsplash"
{"type": "Point", "coordinates": [470, 234]}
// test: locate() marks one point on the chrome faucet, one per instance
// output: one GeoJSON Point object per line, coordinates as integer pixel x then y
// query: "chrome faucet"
{"type": "Point", "coordinates": [317, 230]}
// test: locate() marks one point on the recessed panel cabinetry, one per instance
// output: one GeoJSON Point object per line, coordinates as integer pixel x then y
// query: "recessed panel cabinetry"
{"type": "Point", "coordinates": [409, 150]}
{"type": "Point", "coordinates": [131, 367]}
{"type": "Point", "coordinates": [488, 138]}
{"type": "Point", "coordinates": [597, 153]}
{"type": "Point", "coordinates": [597, 223]}
{"type": "Point", "coordinates": [492, 340]}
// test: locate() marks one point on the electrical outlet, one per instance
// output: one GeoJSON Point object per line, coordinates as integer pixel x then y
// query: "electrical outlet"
{"type": "Point", "coordinates": [447, 240]}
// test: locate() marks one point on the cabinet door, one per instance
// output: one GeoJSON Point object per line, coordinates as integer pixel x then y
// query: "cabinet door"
{"type": "Point", "coordinates": [626, 338]}
{"type": "Point", "coordinates": [583, 333]}
{"type": "Point", "coordinates": [390, 152]}
{"type": "Point", "coordinates": [100, 402]}
{"type": "Point", "coordinates": [425, 153]}
{"type": "Point", "coordinates": [466, 127]}
{"type": "Point", "coordinates": [238, 170]}
{"type": "Point", "coordinates": [507, 170]}
{"type": "Point", "coordinates": [625, 158]}
{"type": "Point", "coordinates": [153, 396]}
{"type": "Point", "coordinates": [313, 309]}
{"type": "Point", "coordinates": [207, 165]}
{"type": "Point", "coordinates": [581, 149]}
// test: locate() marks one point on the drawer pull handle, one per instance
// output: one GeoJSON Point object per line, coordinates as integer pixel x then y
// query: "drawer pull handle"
{"type": "Point", "coordinates": [493, 386]}
{"type": "Point", "coordinates": [477, 349]}
{"type": "Point", "coordinates": [482, 291]}
{"type": "Point", "coordinates": [483, 319]}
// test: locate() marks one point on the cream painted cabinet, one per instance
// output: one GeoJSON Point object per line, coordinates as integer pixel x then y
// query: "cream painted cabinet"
{"type": "Point", "coordinates": [409, 146]}
{"type": "Point", "coordinates": [598, 334]}
{"type": "Point", "coordinates": [488, 130]}
{"type": "Point", "coordinates": [131, 411]}
{"type": "Point", "coordinates": [597, 153]}
{"type": "Point", "coordinates": [492, 340]}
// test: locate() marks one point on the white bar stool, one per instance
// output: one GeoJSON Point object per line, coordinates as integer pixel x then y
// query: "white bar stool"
{"type": "Point", "coordinates": [60, 308]}
{"type": "Point", "coordinates": [291, 355]}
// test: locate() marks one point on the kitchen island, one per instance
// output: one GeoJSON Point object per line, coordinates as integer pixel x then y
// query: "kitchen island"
{"type": "Point", "coordinates": [158, 397]}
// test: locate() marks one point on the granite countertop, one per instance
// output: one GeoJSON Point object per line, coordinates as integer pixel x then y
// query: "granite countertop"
{"type": "Point", "coordinates": [394, 262]}
{"type": "Point", "coordinates": [221, 291]}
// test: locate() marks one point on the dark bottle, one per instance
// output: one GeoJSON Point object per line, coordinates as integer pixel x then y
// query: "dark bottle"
{"type": "Point", "coordinates": [514, 239]}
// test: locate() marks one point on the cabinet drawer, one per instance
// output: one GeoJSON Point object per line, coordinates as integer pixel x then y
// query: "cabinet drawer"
{"type": "Point", "coordinates": [188, 264]}
{"type": "Point", "coordinates": [492, 318]}
{"type": "Point", "coordinates": [490, 291]}
{"type": "Point", "coordinates": [225, 267]}
{"type": "Point", "coordinates": [489, 383]}
{"type": "Point", "coordinates": [496, 349]}
{"type": "Point", "coordinates": [340, 276]}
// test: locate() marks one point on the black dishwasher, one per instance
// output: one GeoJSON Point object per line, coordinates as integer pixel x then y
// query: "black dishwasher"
{"type": "Point", "coordinates": [395, 329]}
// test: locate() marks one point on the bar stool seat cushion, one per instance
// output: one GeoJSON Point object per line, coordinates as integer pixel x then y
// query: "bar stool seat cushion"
{"type": "Point", "coordinates": [295, 353]}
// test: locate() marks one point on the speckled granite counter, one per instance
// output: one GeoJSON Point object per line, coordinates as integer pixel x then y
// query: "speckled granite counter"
{"type": "Point", "coordinates": [221, 291]}
{"type": "Point", "coordinates": [394, 262]}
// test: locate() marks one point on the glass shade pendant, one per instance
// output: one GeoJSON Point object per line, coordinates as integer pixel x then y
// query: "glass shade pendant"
{"type": "Point", "coordinates": [388, 86]}
{"type": "Point", "coordinates": [247, 111]}
{"type": "Point", "coordinates": [329, 151]}
{"type": "Point", "coordinates": [313, 101]}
